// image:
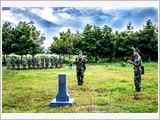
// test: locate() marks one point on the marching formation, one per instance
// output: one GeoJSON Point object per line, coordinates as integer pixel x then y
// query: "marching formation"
{"type": "Point", "coordinates": [44, 62]}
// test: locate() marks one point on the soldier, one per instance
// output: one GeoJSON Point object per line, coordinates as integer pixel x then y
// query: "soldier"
{"type": "Point", "coordinates": [33, 62]}
{"type": "Point", "coordinates": [46, 62]}
{"type": "Point", "coordinates": [80, 68]}
{"type": "Point", "coordinates": [29, 62]}
{"type": "Point", "coordinates": [8, 62]}
{"type": "Point", "coordinates": [42, 62]}
{"type": "Point", "coordinates": [18, 63]}
{"type": "Point", "coordinates": [24, 62]}
{"type": "Point", "coordinates": [137, 69]}
{"type": "Point", "coordinates": [13, 63]}
{"type": "Point", "coordinates": [38, 62]}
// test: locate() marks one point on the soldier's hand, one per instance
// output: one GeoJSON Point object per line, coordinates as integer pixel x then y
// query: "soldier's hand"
{"type": "Point", "coordinates": [129, 61]}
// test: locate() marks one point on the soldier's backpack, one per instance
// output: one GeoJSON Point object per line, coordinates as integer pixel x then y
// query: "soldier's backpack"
{"type": "Point", "coordinates": [142, 68]}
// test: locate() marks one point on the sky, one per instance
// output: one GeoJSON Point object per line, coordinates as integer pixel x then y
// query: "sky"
{"type": "Point", "coordinates": [52, 20]}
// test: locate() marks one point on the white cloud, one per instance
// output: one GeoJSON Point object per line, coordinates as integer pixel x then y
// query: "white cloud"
{"type": "Point", "coordinates": [45, 13]}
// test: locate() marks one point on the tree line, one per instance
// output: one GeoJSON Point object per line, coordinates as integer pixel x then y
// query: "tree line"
{"type": "Point", "coordinates": [99, 44]}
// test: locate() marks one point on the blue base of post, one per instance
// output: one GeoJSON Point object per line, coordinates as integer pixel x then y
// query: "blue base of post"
{"type": "Point", "coordinates": [55, 103]}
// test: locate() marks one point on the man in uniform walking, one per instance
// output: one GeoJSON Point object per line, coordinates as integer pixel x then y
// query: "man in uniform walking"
{"type": "Point", "coordinates": [137, 63]}
{"type": "Point", "coordinates": [80, 67]}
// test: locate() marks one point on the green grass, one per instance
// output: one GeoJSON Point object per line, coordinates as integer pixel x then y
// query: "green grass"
{"type": "Point", "coordinates": [106, 89]}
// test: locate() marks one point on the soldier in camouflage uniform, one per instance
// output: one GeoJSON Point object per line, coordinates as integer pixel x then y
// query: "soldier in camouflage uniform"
{"type": "Point", "coordinates": [33, 62]}
{"type": "Point", "coordinates": [80, 68]}
{"type": "Point", "coordinates": [51, 61]}
{"type": "Point", "coordinates": [13, 63]}
{"type": "Point", "coordinates": [29, 62]}
{"type": "Point", "coordinates": [137, 63]}
{"type": "Point", "coordinates": [42, 62]}
{"type": "Point", "coordinates": [8, 62]}
{"type": "Point", "coordinates": [18, 63]}
{"type": "Point", "coordinates": [38, 62]}
{"type": "Point", "coordinates": [24, 62]}
{"type": "Point", "coordinates": [46, 62]}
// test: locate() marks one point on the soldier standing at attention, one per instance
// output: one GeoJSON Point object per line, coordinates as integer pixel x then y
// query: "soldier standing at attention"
{"type": "Point", "coordinates": [80, 68]}
{"type": "Point", "coordinates": [137, 63]}
{"type": "Point", "coordinates": [18, 63]}
{"type": "Point", "coordinates": [8, 62]}
{"type": "Point", "coordinates": [42, 62]}
{"type": "Point", "coordinates": [46, 62]}
{"type": "Point", "coordinates": [24, 63]}
{"type": "Point", "coordinates": [29, 62]}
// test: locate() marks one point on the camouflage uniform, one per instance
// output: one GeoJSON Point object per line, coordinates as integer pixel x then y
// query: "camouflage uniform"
{"type": "Point", "coordinates": [29, 62]}
{"type": "Point", "coordinates": [18, 63]}
{"type": "Point", "coordinates": [51, 61]}
{"type": "Point", "coordinates": [47, 62]}
{"type": "Point", "coordinates": [8, 62]}
{"type": "Point", "coordinates": [137, 63]}
{"type": "Point", "coordinates": [80, 68]}
{"type": "Point", "coordinates": [42, 62]}
{"type": "Point", "coordinates": [33, 62]}
{"type": "Point", "coordinates": [38, 62]}
{"type": "Point", "coordinates": [13, 63]}
{"type": "Point", "coordinates": [24, 62]}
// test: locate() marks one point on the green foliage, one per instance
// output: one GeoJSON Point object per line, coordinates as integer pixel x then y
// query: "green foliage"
{"type": "Point", "coordinates": [21, 39]}
{"type": "Point", "coordinates": [102, 43]}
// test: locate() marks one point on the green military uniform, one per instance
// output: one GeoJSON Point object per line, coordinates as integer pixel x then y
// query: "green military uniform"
{"type": "Point", "coordinates": [24, 62]}
{"type": "Point", "coordinates": [29, 62]}
{"type": "Point", "coordinates": [42, 62]}
{"type": "Point", "coordinates": [80, 68]}
{"type": "Point", "coordinates": [13, 63]}
{"type": "Point", "coordinates": [18, 63]}
{"type": "Point", "coordinates": [38, 62]}
{"type": "Point", "coordinates": [8, 62]}
{"type": "Point", "coordinates": [33, 62]}
{"type": "Point", "coordinates": [46, 62]}
{"type": "Point", "coordinates": [51, 61]}
{"type": "Point", "coordinates": [137, 71]}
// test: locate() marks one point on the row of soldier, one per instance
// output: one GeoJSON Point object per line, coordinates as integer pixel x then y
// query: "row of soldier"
{"type": "Point", "coordinates": [14, 62]}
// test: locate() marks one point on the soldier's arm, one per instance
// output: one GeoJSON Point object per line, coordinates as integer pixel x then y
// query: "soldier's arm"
{"type": "Point", "coordinates": [76, 61]}
{"type": "Point", "coordinates": [129, 61]}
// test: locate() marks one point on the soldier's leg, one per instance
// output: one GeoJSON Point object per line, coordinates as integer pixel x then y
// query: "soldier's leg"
{"type": "Point", "coordinates": [137, 81]}
{"type": "Point", "coordinates": [82, 76]}
{"type": "Point", "coordinates": [78, 77]}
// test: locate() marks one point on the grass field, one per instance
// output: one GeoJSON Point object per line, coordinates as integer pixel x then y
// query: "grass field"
{"type": "Point", "coordinates": [107, 89]}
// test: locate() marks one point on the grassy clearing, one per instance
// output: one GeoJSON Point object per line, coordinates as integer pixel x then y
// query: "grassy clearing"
{"type": "Point", "coordinates": [106, 89]}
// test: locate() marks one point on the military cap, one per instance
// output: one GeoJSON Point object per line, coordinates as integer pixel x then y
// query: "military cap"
{"type": "Point", "coordinates": [136, 50]}
{"type": "Point", "coordinates": [80, 52]}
